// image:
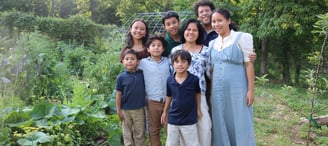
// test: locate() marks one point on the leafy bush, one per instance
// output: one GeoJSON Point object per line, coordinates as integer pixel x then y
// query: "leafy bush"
{"type": "Point", "coordinates": [76, 28]}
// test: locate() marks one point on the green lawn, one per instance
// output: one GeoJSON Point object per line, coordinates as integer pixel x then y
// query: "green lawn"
{"type": "Point", "coordinates": [277, 113]}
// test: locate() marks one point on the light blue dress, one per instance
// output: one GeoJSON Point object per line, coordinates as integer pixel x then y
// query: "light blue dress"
{"type": "Point", "coordinates": [232, 118]}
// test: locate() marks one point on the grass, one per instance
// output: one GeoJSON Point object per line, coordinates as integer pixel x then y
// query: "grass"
{"type": "Point", "coordinates": [277, 113]}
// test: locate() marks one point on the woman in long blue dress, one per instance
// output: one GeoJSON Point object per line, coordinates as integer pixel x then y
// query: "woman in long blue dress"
{"type": "Point", "coordinates": [232, 83]}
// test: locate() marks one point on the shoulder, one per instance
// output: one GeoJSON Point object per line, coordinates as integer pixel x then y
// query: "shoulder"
{"type": "Point", "coordinates": [245, 36]}
{"type": "Point", "coordinates": [144, 60]}
{"type": "Point", "coordinates": [139, 71]}
{"type": "Point", "coordinates": [211, 43]}
{"type": "Point", "coordinates": [212, 35]}
{"type": "Point", "coordinates": [121, 75]}
{"type": "Point", "coordinates": [179, 47]}
{"type": "Point", "coordinates": [193, 77]}
{"type": "Point", "coordinates": [205, 48]}
{"type": "Point", "coordinates": [170, 79]}
{"type": "Point", "coordinates": [166, 59]}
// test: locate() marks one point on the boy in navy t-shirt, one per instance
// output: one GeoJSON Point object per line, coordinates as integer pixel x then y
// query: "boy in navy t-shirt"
{"type": "Point", "coordinates": [182, 106]}
{"type": "Point", "coordinates": [130, 100]}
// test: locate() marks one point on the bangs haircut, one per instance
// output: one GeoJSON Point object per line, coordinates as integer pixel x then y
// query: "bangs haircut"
{"type": "Point", "coordinates": [130, 51]}
{"type": "Point", "coordinates": [182, 54]}
{"type": "Point", "coordinates": [156, 37]}
{"type": "Point", "coordinates": [169, 14]}
{"type": "Point", "coordinates": [200, 38]}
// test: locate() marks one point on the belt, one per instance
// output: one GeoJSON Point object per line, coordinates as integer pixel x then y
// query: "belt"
{"type": "Point", "coordinates": [161, 100]}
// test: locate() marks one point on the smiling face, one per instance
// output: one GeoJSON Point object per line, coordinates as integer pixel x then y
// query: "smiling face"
{"type": "Point", "coordinates": [156, 48]}
{"type": "Point", "coordinates": [180, 65]}
{"type": "Point", "coordinates": [204, 13]}
{"type": "Point", "coordinates": [220, 24]}
{"type": "Point", "coordinates": [191, 32]}
{"type": "Point", "coordinates": [138, 30]}
{"type": "Point", "coordinates": [130, 62]}
{"type": "Point", "coordinates": [171, 25]}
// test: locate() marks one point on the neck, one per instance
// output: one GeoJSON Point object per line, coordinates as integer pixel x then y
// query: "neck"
{"type": "Point", "coordinates": [137, 45]}
{"type": "Point", "coordinates": [190, 44]}
{"type": "Point", "coordinates": [137, 41]}
{"type": "Point", "coordinates": [156, 58]}
{"type": "Point", "coordinates": [181, 74]}
{"type": "Point", "coordinates": [223, 35]}
{"type": "Point", "coordinates": [132, 70]}
{"type": "Point", "coordinates": [207, 28]}
{"type": "Point", "coordinates": [191, 47]}
{"type": "Point", "coordinates": [175, 37]}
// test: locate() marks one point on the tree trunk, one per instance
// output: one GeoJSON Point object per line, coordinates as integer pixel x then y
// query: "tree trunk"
{"type": "Point", "coordinates": [92, 9]}
{"type": "Point", "coordinates": [264, 45]}
{"type": "Point", "coordinates": [52, 8]}
{"type": "Point", "coordinates": [285, 64]}
{"type": "Point", "coordinates": [297, 72]}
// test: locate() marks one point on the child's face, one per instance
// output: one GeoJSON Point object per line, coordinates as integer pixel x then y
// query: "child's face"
{"type": "Point", "coordinates": [180, 65]}
{"type": "Point", "coordinates": [130, 62]}
{"type": "Point", "coordinates": [191, 33]}
{"type": "Point", "coordinates": [171, 25]}
{"type": "Point", "coordinates": [156, 48]}
{"type": "Point", "coordinates": [138, 30]}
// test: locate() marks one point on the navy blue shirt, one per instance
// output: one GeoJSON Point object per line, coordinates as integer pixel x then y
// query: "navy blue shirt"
{"type": "Point", "coordinates": [208, 37]}
{"type": "Point", "coordinates": [183, 109]}
{"type": "Point", "coordinates": [132, 86]}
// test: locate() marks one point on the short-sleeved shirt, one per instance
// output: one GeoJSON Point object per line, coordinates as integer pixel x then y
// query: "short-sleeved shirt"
{"type": "Point", "coordinates": [155, 74]}
{"type": "Point", "coordinates": [208, 37]}
{"type": "Point", "coordinates": [132, 86]}
{"type": "Point", "coordinates": [199, 66]}
{"type": "Point", "coordinates": [171, 43]}
{"type": "Point", "coordinates": [183, 109]}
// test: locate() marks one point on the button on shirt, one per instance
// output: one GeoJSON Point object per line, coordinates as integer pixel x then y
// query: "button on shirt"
{"type": "Point", "coordinates": [131, 84]}
{"type": "Point", "coordinates": [155, 76]}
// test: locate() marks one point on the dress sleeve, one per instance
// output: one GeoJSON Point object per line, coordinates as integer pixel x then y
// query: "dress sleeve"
{"type": "Point", "coordinates": [246, 45]}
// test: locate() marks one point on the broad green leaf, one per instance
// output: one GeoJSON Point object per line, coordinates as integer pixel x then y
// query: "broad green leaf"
{"type": "Point", "coordinates": [43, 110]}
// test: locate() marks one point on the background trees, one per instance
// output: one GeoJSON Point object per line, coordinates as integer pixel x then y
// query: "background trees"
{"type": "Point", "coordinates": [59, 60]}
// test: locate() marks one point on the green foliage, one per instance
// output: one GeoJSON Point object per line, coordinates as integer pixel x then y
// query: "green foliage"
{"type": "Point", "coordinates": [4, 136]}
{"type": "Point", "coordinates": [34, 139]}
{"type": "Point", "coordinates": [52, 123]}
{"type": "Point", "coordinates": [262, 80]}
{"type": "Point", "coordinates": [75, 28]}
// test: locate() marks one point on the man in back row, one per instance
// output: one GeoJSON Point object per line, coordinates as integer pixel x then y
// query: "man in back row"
{"type": "Point", "coordinates": [203, 10]}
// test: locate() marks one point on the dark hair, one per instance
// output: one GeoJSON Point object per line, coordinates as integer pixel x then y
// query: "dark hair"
{"type": "Point", "coordinates": [184, 55]}
{"type": "Point", "coordinates": [169, 14]}
{"type": "Point", "coordinates": [203, 3]}
{"type": "Point", "coordinates": [200, 28]}
{"type": "Point", "coordinates": [156, 37]}
{"type": "Point", "coordinates": [129, 39]}
{"type": "Point", "coordinates": [226, 14]}
{"type": "Point", "coordinates": [130, 51]}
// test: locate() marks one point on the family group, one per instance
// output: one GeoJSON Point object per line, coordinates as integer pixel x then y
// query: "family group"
{"type": "Point", "coordinates": [196, 81]}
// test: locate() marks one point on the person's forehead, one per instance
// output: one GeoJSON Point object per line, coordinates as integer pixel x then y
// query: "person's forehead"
{"type": "Point", "coordinates": [204, 7]}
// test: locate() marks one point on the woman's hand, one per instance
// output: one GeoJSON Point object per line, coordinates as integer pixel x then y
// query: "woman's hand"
{"type": "Point", "coordinates": [250, 98]}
